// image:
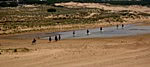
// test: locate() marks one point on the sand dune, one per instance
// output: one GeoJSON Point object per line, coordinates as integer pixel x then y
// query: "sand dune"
{"type": "Point", "coordinates": [105, 6]}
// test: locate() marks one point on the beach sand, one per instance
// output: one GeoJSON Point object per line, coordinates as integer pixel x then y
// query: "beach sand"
{"type": "Point", "coordinates": [131, 51]}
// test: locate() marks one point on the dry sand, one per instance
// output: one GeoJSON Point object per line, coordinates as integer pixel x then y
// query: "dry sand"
{"type": "Point", "coordinates": [131, 51]}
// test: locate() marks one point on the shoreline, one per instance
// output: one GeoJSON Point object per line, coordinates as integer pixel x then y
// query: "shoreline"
{"type": "Point", "coordinates": [73, 27]}
{"type": "Point", "coordinates": [66, 53]}
{"type": "Point", "coordinates": [39, 34]}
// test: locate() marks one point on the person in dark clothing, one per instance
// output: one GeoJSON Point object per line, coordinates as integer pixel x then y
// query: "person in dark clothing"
{"type": "Point", "coordinates": [122, 26]}
{"type": "Point", "coordinates": [88, 32]}
{"type": "Point", "coordinates": [101, 29]}
{"type": "Point", "coordinates": [50, 39]}
{"type": "Point", "coordinates": [33, 41]}
{"type": "Point", "coordinates": [56, 39]}
{"type": "Point", "coordinates": [73, 33]}
{"type": "Point", "coordinates": [59, 37]}
{"type": "Point", "coordinates": [117, 26]}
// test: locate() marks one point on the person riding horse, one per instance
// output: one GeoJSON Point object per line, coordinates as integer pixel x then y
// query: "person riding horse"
{"type": "Point", "coordinates": [33, 41]}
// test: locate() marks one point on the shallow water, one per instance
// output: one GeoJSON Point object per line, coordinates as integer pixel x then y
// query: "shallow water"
{"type": "Point", "coordinates": [131, 29]}
{"type": "Point", "coordinates": [107, 32]}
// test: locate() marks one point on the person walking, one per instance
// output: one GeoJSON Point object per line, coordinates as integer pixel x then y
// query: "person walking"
{"type": "Point", "coordinates": [74, 33]}
{"type": "Point", "coordinates": [59, 37]}
{"type": "Point", "coordinates": [50, 39]}
{"type": "Point", "coordinates": [88, 32]}
{"type": "Point", "coordinates": [117, 26]}
{"type": "Point", "coordinates": [122, 26]}
{"type": "Point", "coordinates": [56, 39]}
{"type": "Point", "coordinates": [101, 29]}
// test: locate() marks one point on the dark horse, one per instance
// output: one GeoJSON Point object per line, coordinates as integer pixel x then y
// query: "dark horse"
{"type": "Point", "coordinates": [33, 41]}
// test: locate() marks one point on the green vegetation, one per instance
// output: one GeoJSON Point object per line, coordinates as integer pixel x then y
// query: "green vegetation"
{"type": "Point", "coordinates": [10, 4]}
{"type": "Point", "coordinates": [143, 2]}
{"type": "Point", "coordinates": [51, 10]}
{"type": "Point", "coordinates": [51, 2]}
{"type": "Point", "coordinates": [38, 16]}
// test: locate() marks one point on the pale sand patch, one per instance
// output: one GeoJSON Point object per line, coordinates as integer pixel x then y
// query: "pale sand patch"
{"type": "Point", "coordinates": [105, 6]}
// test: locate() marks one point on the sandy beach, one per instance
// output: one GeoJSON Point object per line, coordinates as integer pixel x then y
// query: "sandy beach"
{"type": "Point", "coordinates": [131, 51]}
{"type": "Point", "coordinates": [17, 50]}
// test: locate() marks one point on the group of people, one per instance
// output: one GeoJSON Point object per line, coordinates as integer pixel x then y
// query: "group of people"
{"type": "Point", "coordinates": [122, 25]}
{"type": "Point", "coordinates": [58, 37]}
{"type": "Point", "coordinates": [101, 29]}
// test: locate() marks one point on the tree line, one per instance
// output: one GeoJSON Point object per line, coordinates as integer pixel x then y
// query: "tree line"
{"type": "Point", "coordinates": [13, 4]}
{"type": "Point", "coordinates": [10, 4]}
{"type": "Point", "coordinates": [143, 2]}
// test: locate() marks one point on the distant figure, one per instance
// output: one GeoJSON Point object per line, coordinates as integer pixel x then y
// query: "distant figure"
{"type": "Point", "coordinates": [59, 37]}
{"type": "Point", "coordinates": [101, 29]}
{"type": "Point", "coordinates": [56, 39]}
{"type": "Point", "coordinates": [38, 37]}
{"type": "Point", "coordinates": [88, 32]}
{"type": "Point", "coordinates": [122, 26]}
{"type": "Point", "coordinates": [50, 39]}
{"type": "Point", "coordinates": [74, 33]}
{"type": "Point", "coordinates": [117, 26]}
{"type": "Point", "coordinates": [33, 41]}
